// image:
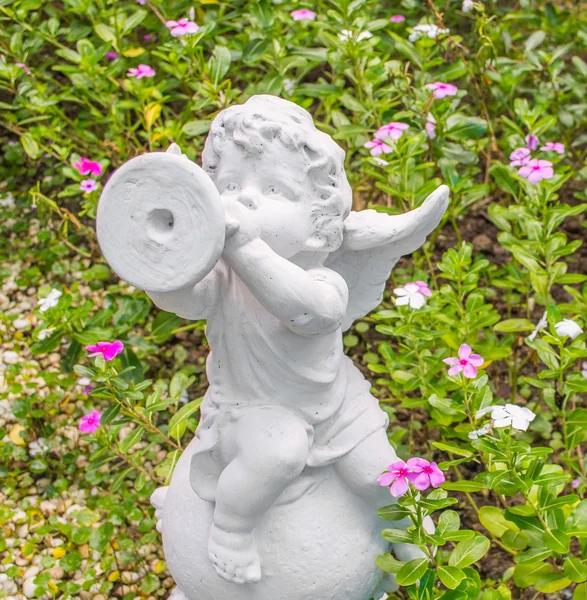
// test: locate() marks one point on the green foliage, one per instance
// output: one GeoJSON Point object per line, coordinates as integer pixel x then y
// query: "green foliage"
{"type": "Point", "coordinates": [506, 267]}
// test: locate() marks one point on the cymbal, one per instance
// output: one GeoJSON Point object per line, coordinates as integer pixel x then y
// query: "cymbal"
{"type": "Point", "coordinates": [160, 222]}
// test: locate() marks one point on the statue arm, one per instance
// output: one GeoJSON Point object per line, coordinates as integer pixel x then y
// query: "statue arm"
{"type": "Point", "coordinates": [309, 302]}
{"type": "Point", "coordinates": [195, 302]}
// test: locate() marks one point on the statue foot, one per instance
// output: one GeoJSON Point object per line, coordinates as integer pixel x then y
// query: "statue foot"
{"type": "Point", "coordinates": [177, 594]}
{"type": "Point", "coordinates": [234, 556]}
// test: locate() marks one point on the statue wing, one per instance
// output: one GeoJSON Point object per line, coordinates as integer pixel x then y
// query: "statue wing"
{"type": "Point", "coordinates": [373, 242]}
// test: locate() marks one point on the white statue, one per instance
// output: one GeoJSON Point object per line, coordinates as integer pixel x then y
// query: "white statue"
{"type": "Point", "coordinates": [276, 496]}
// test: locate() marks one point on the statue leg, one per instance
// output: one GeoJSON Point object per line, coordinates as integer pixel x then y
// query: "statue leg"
{"type": "Point", "coordinates": [360, 469]}
{"type": "Point", "coordinates": [266, 449]}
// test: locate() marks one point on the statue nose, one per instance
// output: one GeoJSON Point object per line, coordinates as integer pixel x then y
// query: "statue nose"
{"type": "Point", "coordinates": [249, 198]}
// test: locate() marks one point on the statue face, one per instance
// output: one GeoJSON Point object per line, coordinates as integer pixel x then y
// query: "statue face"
{"type": "Point", "coordinates": [273, 185]}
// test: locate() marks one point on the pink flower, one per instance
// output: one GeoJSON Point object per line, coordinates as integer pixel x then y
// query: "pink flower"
{"type": "Point", "coordinates": [532, 141]}
{"type": "Point", "coordinates": [378, 147]}
{"type": "Point", "coordinates": [141, 2]}
{"type": "Point", "coordinates": [141, 71]}
{"type": "Point", "coordinates": [423, 474]}
{"type": "Point", "coordinates": [575, 483]}
{"type": "Point", "coordinates": [90, 423]}
{"type": "Point", "coordinates": [111, 55]}
{"type": "Point", "coordinates": [430, 130]}
{"type": "Point", "coordinates": [303, 14]}
{"type": "Point", "coordinates": [181, 27]}
{"type": "Point", "coordinates": [88, 185]}
{"type": "Point", "coordinates": [149, 37]}
{"type": "Point", "coordinates": [396, 476]}
{"type": "Point", "coordinates": [85, 166]}
{"type": "Point", "coordinates": [466, 362]}
{"type": "Point", "coordinates": [554, 147]}
{"type": "Point", "coordinates": [393, 130]}
{"type": "Point", "coordinates": [23, 67]}
{"type": "Point", "coordinates": [537, 170]}
{"type": "Point", "coordinates": [519, 157]}
{"type": "Point", "coordinates": [440, 90]}
{"type": "Point", "coordinates": [397, 18]}
{"type": "Point", "coordinates": [422, 287]}
{"type": "Point", "coordinates": [107, 349]}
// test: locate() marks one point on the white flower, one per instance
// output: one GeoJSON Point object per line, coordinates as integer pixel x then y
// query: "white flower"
{"type": "Point", "coordinates": [467, 6]}
{"type": "Point", "coordinates": [426, 30]}
{"type": "Point", "coordinates": [346, 34]}
{"type": "Point", "coordinates": [475, 435]}
{"type": "Point", "coordinates": [38, 447]}
{"type": "Point", "coordinates": [519, 417]}
{"type": "Point", "coordinates": [84, 381]}
{"type": "Point", "coordinates": [569, 328]}
{"type": "Point", "coordinates": [539, 327]}
{"type": "Point", "coordinates": [21, 323]}
{"type": "Point", "coordinates": [288, 86]}
{"type": "Point", "coordinates": [7, 200]}
{"type": "Point", "coordinates": [51, 300]}
{"type": "Point", "coordinates": [584, 370]}
{"type": "Point", "coordinates": [45, 333]}
{"type": "Point", "coordinates": [410, 294]}
{"type": "Point", "coordinates": [380, 161]}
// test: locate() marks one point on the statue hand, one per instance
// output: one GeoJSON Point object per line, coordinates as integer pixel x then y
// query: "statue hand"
{"type": "Point", "coordinates": [241, 227]}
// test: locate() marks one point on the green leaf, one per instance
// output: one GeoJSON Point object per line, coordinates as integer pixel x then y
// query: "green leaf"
{"type": "Point", "coordinates": [449, 520]}
{"type": "Point", "coordinates": [580, 592]}
{"type": "Point", "coordinates": [163, 325]}
{"type": "Point", "coordinates": [398, 536]}
{"type": "Point", "coordinates": [450, 576]}
{"type": "Point", "coordinates": [463, 127]}
{"type": "Point", "coordinates": [178, 423]}
{"type": "Point", "coordinates": [469, 551]}
{"type": "Point", "coordinates": [119, 479]}
{"type": "Point", "coordinates": [394, 512]}
{"type": "Point", "coordinates": [463, 486]}
{"type": "Point", "coordinates": [180, 382]}
{"type": "Point", "coordinates": [388, 563]}
{"type": "Point", "coordinates": [575, 570]}
{"type": "Point", "coordinates": [220, 64]}
{"type": "Point", "coordinates": [576, 427]}
{"type": "Point", "coordinates": [551, 582]}
{"type": "Point", "coordinates": [133, 20]}
{"type": "Point", "coordinates": [493, 519]}
{"type": "Point", "coordinates": [534, 41]}
{"type": "Point", "coordinates": [514, 325]}
{"type": "Point", "coordinates": [30, 145]}
{"type": "Point", "coordinates": [105, 32]}
{"type": "Point", "coordinates": [525, 574]}
{"type": "Point", "coordinates": [131, 439]}
{"type": "Point", "coordinates": [194, 128]}
{"type": "Point", "coordinates": [453, 449]}
{"type": "Point", "coordinates": [516, 540]}
{"type": "Point", "coordinates": [412, 571]}
{"type": "Point", "coordinates": [556, 540]}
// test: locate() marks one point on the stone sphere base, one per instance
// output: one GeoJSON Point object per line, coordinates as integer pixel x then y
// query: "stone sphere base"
{"type": "Point", "coordinates": [321, 546]}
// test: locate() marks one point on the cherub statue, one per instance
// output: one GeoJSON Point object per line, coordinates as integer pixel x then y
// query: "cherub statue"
{"type": "Point", "coordinates": [297, 267]}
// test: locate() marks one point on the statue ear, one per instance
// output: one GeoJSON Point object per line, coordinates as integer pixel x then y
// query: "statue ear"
{"type": "Point", "coordinates": [327, 236]}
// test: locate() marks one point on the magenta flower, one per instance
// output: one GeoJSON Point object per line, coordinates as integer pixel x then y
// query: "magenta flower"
{"type": "Point", "coordinates": [23, 67]}
{"type": "Point", "coordinates": [90, 423]}
{"type": "Point", "coordinates": [108, 350]}
{"type": "Point", "coordinates": [532, 141]}
{"type": "Point", "coordinates": [85, 166]}
{"type": "Point", "coordinates": [397, 18]}
{"type": "Point", "coordinates": [149, 37]}
{"type": "Point", "coordinates": [303, 14]}
{"type": "Point", "coordinates": [553, 147]}
{"type": "Point", "coordinates": [466, 362]}
{"type": "Point", "coordinates": [378, 147]}
{"type": "Point", "coordinates": [182, 27]}
{"type": "Point", "coordinates": [519, 157]}
{"type": "Point", "coordinates": [141, 71]}
{"type": "Point", "coordinates": [536, 170]}
{"type": "Point", "coordinates": [393, 130]}
{"type": "Point", "coordinates": [440, 90]}
{"type": "Point", "coordinates": [423, 474]}
{"type": "Point", "coordinates": [397, 477]}
{"type": "Point", "coordinates": [111, 55]}
{"type": "Point", "coordinates": [88, 185]}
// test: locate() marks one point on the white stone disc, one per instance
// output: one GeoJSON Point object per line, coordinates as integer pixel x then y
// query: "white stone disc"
{"type": "Point", "coordinates": [160, 222]}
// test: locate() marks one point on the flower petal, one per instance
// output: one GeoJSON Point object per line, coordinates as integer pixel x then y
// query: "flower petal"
{"type": "Point", "coordinates": [464, 351]}
{"type": "Point", "coordinates": [399, 487]}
